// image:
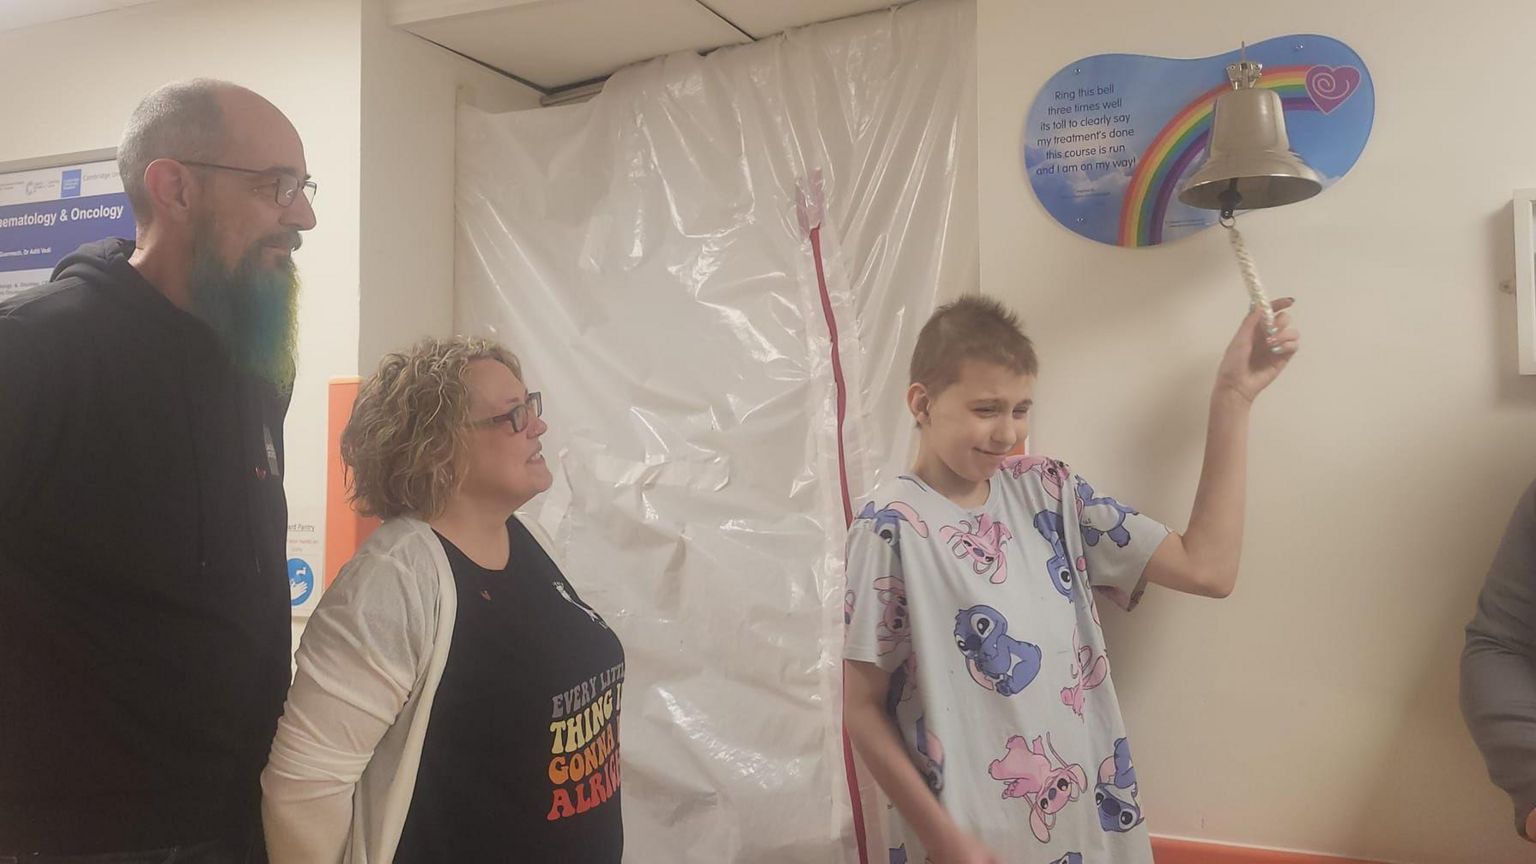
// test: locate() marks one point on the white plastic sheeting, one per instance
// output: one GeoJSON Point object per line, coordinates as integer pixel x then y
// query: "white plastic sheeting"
{"type": "Point", "coordinates": [650, 256]}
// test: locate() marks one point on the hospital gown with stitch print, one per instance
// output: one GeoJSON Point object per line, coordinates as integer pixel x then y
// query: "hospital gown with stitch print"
{"type": "Point", "coordinates": [999, 681]}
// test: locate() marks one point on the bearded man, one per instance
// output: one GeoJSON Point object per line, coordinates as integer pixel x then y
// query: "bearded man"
{"type": "Point", "coordinates": [144, 600]}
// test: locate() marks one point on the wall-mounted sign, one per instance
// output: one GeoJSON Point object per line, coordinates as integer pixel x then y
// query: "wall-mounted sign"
{"type": "Point", "coordinates": [1110, 137]}
{"type": "Point", "coordinates": [47, 213]}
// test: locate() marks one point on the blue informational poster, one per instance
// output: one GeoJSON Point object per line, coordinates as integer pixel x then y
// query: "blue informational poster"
{"type": "Point", "coordinates": [1111, 138]}
{"type": "Point", "coordinates": [47, 213]}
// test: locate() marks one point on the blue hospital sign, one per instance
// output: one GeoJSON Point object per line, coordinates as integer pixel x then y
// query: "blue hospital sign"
{"type": "Point", "coordinates": [48, 213]}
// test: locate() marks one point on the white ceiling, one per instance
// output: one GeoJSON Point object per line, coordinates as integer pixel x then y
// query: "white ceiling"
{"type": "Point", "coordinates": [16, 14]}
{"type": "Point", "coordinates": [552, 44]}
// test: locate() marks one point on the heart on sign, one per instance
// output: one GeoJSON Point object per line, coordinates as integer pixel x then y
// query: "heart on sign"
{"type": "Point", "coordinates": [1331, 86]}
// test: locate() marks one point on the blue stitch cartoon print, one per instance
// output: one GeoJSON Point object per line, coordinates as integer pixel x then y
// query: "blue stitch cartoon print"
{"type": "Point", "coordinates": [886, 521]}
{"type": "Point", "coordinates": [1101, 517]}
{"type": "Point", "coordinates": [932, 752]}
{"type": "Point", "coordinates": [903, 685]}
{"type": "Point", "coordinates": [1060, 566]}
{"type": "Point", "coordinates": [1115, 794]}
{"type": "Point", "coordinates": [996, 660]}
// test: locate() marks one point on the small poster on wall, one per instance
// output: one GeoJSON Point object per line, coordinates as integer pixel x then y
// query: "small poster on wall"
{"type": "Point", "coordinates": [306, 561]}
{"type": "Point", "coordinates": [47, 213]}
{"type": "Point", "coordinates": [1110, 137]}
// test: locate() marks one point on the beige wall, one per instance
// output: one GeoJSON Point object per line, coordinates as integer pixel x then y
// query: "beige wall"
{"type": "Point", "coordinates": [410, 92]}
{"type": "Point", "coordinates": [1316, 708]}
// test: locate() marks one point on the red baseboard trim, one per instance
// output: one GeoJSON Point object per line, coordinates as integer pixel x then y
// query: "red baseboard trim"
{"type": "Point", "coordinates": [1170, 850]}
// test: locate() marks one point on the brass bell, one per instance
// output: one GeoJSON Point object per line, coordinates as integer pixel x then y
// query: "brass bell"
{"type": "Point", "coordinates": [1249, 163]}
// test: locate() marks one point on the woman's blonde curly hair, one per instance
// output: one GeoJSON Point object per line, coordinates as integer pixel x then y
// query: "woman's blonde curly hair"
{"type": "Point", "coordinates": [405, 443]}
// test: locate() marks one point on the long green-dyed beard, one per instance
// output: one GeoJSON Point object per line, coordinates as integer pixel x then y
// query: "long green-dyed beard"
{"type": "Point", "coordinates": [252, 308]}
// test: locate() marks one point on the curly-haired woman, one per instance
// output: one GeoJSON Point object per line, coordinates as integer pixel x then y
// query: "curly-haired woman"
{"type": "Point", "coordinates": [455, 700]}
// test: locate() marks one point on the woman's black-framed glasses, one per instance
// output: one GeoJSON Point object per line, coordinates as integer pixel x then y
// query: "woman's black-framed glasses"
{"type": "Point", "coordinates": [521, 414]}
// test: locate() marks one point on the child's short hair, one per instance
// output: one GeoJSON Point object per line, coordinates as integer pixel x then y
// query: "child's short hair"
{"type": "Point", "coordinates": [971, 328]}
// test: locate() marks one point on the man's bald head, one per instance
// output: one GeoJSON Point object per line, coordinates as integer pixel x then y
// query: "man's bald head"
{"type": "Point", "coordinates": [186, 121]}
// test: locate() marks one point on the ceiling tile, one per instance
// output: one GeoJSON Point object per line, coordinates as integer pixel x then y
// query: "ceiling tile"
{"type": "Point", "coordinates": [557, 43]}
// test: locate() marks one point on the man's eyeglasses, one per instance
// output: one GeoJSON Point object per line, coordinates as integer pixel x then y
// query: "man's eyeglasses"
{"type": "Point", "coordinates": [287, 188]}
{"type": "Point", "coordinates": [521, 414]}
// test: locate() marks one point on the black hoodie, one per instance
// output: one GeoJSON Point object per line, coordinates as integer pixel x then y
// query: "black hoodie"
{"type": "Point", "coordinates": [144, 623]}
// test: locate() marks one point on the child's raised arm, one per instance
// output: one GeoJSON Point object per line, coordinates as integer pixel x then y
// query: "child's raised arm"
{"type": "Point", "coordinates": [1204, 559]}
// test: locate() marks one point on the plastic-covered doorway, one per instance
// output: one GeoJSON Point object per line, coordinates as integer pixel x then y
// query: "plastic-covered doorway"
{"type": "Point", "coordinates": [715, 272]}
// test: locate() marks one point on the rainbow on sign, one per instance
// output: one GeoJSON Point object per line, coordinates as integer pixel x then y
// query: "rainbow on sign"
{"type": "Point", "coordinates": [1110, 138]}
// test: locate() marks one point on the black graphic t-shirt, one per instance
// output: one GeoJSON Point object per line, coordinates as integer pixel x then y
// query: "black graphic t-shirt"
{"type": "Point", "coordinates": [521, 756]}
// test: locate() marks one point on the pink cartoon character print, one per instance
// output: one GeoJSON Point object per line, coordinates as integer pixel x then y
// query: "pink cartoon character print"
{"type": "Point", "coordinates": [1088, 672]}
{"type": "Point", "coordinates": [895, 627]}
{"type": "Point", "coordinates": [1052, 474]}
{"type": "Point", "coordinates": [1102, 517]}
{"type": "Point", "coordinates": [981, 544]}
{"type": "Point", "coordinates": [1046, 783]}
{"type": "Point", "coordinates": [886, 521]}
